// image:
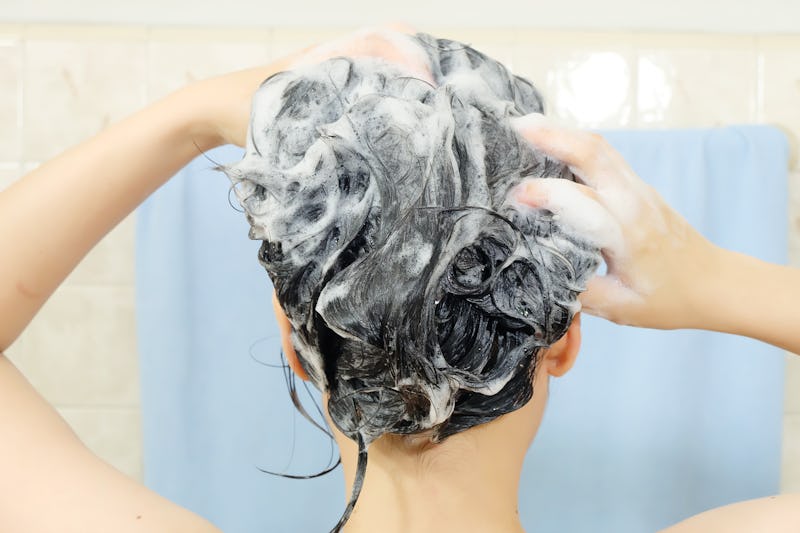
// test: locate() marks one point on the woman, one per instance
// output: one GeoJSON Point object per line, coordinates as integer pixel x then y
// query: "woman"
{"type": "Point", "coordinates": [51, 482]}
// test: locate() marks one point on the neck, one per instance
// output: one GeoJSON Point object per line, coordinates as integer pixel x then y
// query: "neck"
{"type": "Point", "coordinates": [468, 483]}
{"type": "Point", "coordinates": [408, 491]}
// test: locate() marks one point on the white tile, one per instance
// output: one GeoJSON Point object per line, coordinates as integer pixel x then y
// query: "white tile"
{"type": "Point", "coordinates": [112, 261]}
{"type": "Point", "coordinates": [497, 44]}
{"type": "Point", "coordinates": [780, 100]}
{"type": "Point", "coordinates": [114, 435]}
{"type": "Point", "coordinates": [587, 78]}
{"type": "Point", "coordinates": [16, 351]}
{"type": "Point", "coordinates": [9, 173]}
{"type": "Point", "coordinates": [790, 469]}
{"type": "Point", "coordinates": [29, 166]}
{"type": "Point", "coordinates": [179, 58]}
{"type": "Point", "coordinates": [11, 33]}
{"type": "Point", "coordinates": [691, 81]}
{"type": "Point", "coordinates": [285, 41]}
{"type": "Point", "coordinates": [10, 100]}
{"type": "Point", "coordinates": [75, 88]}
{"type": "Point", "coordinates": [85, 32]}
{"type": "Point", "coordinates": [80, 350]}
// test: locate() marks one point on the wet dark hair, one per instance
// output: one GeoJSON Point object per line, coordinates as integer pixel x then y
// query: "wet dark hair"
{"type": "Point", "coordinates": [419, 292]}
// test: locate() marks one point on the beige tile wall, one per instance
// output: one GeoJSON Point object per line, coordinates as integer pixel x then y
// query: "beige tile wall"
{"type": "Point", "coordinates": [60, 84]}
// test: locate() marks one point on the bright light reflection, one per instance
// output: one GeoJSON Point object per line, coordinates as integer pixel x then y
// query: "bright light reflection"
{"type": "Point", "coordinates": [655, 93]}
{"type": "Point", "coordinates": [594, 89]}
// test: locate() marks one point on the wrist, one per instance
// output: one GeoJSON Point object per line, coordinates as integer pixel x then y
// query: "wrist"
{"type": "Point", "coordinates": [220, 106]}
{"type": "Point", "coordinates": [724, 289]}
{"type": "Point", "coordinates": [709, 289]}
{"type": "Point", "coordinates": [197, 115]}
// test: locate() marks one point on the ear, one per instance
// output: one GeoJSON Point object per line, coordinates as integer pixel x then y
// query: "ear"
{"type": "Point", "coordinates": [561, 355]}
{"type": "Point", "coordinates": [286, 343]}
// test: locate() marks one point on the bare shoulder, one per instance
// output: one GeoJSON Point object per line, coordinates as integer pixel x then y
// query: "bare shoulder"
{"type": "Point", "coordinates": [775, 514]}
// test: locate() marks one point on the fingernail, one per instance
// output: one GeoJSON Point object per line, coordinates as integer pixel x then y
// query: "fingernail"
{"type": "Point", "coordinates": [530, 121]}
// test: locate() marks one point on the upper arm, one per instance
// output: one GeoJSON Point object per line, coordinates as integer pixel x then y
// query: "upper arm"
{"type": "Point", "coordinates": [51, 482]}
{"type": "Point", "coordinates": [776, 514]}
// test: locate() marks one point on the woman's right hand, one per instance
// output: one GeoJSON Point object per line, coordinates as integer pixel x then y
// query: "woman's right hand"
{"type": "Point", "coordinates": [228, 116]}
{"type": "Point", "coordinates": [657, 264]}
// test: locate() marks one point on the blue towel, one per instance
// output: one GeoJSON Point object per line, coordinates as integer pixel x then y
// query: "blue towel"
{"type": "Point", "coordinates": [648, 428]}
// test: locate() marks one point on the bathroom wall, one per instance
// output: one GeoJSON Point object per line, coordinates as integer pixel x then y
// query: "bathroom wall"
{"type": "Point", "coordinates": [672, 15]}
{"type": "Point", "coordinates": [63, 83]}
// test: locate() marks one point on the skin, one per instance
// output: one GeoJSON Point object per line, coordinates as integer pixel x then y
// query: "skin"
{"type": "Point", "coordinates": [52, 217]}
{"type": "Point", "coordinates": [661, 272]}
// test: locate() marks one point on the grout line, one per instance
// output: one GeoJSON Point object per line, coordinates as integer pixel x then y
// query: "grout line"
{"type": "Point", "coordinates": [145, 81]}
{"type": "Point", "coordinates": [148, 57]}
{"type": "Point", "coordinates": [636, 118]}
{"type": "Point", "coordinates": [760, 112]}
{"type": "Point", "coordinates": [23, 70]}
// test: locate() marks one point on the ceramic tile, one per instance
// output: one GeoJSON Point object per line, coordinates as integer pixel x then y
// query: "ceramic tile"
{"type": "Point", "coordinates": [692, 41]}
{"type": "Point", "coordinates": [696, 82]}
{"type": "Point", "coordinates": [593, 89]}
{"type": "Point", "coordinates": [73, 89]}
{"type": "Point", "coordinates": [29, 166]}
{"type": "Point", "coordinates": [285, 41]}
{"type": "Point", "coordinates": [16, 351]}
{"type": "Point", "coordinates": [11, 33]}
{"type": "Point", "coordinates": [497, 44]}
{"type": "Point", "coordinates": [80, 350]}
{"type": "Point", "coordinates": [780, 101]}
{"type": "Point", "coordinates": [85, 32]}
{"type": "Point", "coordinates": [205, 35]}
{"type": "Point", "coordinates": [573, 40]}
{"type": "Point", "coordinates": [587, 79]}
{"type": "Point", "coordinates": [790, 468]}
{"type": "Point", "coordinates": [534, 65]}
{"type": "Point", "coordinates": [114, 435]}
{"type": "Point", "coordinates": [9, 173]}
{"type": "Point", "coordinates": [174, 63]}
{"type": "Point", "coordinates": [112, 261]}
{"type": "Point", "coordinates": [10, 99]}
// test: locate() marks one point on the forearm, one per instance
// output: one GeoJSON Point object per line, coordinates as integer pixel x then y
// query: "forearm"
{"type": "Point", "coordinates": [752, 298]}
{"type": "Point", "coordinates": [52, 217]}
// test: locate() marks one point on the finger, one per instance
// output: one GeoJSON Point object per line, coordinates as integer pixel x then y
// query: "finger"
{"type": "Point", "coordinates": [589, 156]}
{"type": "Point", "coordinates": [576, 206]}
{"type": "Point", "coordinates": [607, 297]}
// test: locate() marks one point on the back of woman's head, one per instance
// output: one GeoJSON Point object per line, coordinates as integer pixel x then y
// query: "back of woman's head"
{"type": "Point", "coordinates": [418, 290]}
